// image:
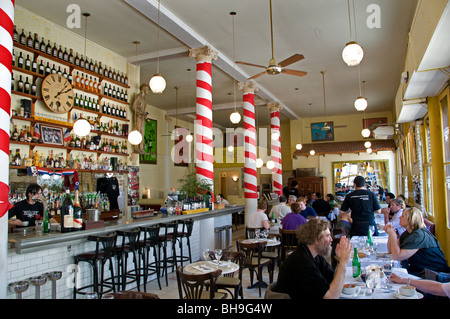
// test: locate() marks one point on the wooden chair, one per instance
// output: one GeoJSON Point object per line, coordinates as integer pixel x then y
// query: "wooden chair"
{"type": "Point", "coordinates": [271, 292]}
{"type": "Point", "coordinates": [250, 232]}
{"type": "Point", "coordinates": [228, 281]}
{"type": "Point", "coordinates": [129, 294]}
{"type": "Point", "coordinates": [194, 285]}
{"type": "Point", "coordinates": [288, 242]}
{"type": "Point", "coordinates": [253, 260]}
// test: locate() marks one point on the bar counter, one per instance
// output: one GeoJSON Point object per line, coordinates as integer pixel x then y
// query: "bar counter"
{"type": "Point", "coordinates": [32, 242]}
{"type": "Point", "coordinates": [33, 255]}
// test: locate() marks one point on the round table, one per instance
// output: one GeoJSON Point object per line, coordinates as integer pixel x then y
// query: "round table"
{"type": "Point", "coordinates": [269, 242]}
{"type": "Point", "coordinates": [200, 267]}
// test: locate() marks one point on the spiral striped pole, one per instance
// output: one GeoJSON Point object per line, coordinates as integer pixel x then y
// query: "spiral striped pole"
{"type": "Point", "coordinates": [204, 157]}
{"type": "Point", "coordinates": [250, 176]}
{"type": "Point", "coordinates": [277, 176]}
{"type": "Point", "coordinates": [6, 47]}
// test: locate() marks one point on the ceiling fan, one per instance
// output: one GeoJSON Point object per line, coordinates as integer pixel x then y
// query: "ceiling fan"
{"type": "Point", "coordinates": [274, 67]}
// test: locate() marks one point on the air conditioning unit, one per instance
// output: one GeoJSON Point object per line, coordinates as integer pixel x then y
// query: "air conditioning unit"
{"type": "Point", "coordinates": [384, 132]}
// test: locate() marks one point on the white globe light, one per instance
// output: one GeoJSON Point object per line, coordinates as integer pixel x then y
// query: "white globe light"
{"type": "Point", "coordinates": [235, 117]}
{"type": "Point", "coordinates": [259, 162]}
{"type": "Point", "coordinates": [360, 104]}
{"type": "Point", "coordinates": [367, 144]}
{"type": "Point", "coordinates": [299, 146]}
{"type": "Point", "coordinates": [82, 127]}
{"type": "Point", "coordinates": [157, 84]}
{"type": "Point", "coordinates": [230, 148]}
{"type": "Point", "coordinates": [135, 137]}
{"type": "Point", "coordinates": [189, 138]}
{"type": "Point", "coordinates": [352, 54]}
{"type": "Point", "coordinates": [369, 150]}
{"type": "Point", "coordinates": [365, 132]}
{"type": "Point", "coordinates": [312, 152]}
{"type": "Point", "coordinates": [275, 136]}
{"type": "Point", "coordinates": [270, 164]}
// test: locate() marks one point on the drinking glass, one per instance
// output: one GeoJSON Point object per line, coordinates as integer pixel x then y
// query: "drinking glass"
{"type": "Point", "coordinates": [205, 254]}
{"type": "Point", "coordinates": [39, 226]}
{"type": "Point", "coordinates": [371, 283]}
{"type": "Point", "coordinates": [91, 295]}
{"type": "Point", "coordinates": [218, 254]}
{"type": "Point", "coordinates": [257, 233]}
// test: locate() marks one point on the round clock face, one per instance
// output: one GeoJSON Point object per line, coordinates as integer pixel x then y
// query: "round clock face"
{"type": "Point", "coordinates": [57, 93]}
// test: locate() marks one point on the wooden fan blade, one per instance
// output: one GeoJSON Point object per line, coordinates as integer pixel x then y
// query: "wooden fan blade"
{"type": "Point", "coordinates": [293, 72]}
{"type": "Point", "coordinates": [251, 64]}
{"type": "Point", "coordinates": [296, 57]}
{"type": "Point", "coordinates": [257, 75]}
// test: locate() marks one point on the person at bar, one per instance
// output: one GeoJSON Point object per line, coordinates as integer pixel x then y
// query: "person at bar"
{"type": "Point", "coordinates": [28, 210]}
{"type": "Point", "coordinates": [221, 200]}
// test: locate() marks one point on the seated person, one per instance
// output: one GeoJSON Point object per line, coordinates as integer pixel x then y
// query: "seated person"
{"type": "Point", "coordinates": [294, 219]}
{"type": "Point", "coordinates": [332, 201]}
{"type": "Point", "coordinates": [306, 211]}
{"type": "Point", "coordinates": [29, 209]}
{"type": "Point", "coordinates": [259, 218]}
{"type": "Point", "coordinates": [345, 223]}
{"type": "Point", "coordinates": [291, 199]}
{"type": "Point", "coordinates": [321, 206]}
{"type": "Point", "coordinates": [306, 274]}
{"type": "Point", "coordinates": [397, 209]}
{"type": "Point", "coordinates": [280, 210]}
{"type": "Point", "coordinates": [221, 200]}
{"type": "Point", "coordinates": [416, 248]}
{"type": "Point", "coordinates": [429, 286]}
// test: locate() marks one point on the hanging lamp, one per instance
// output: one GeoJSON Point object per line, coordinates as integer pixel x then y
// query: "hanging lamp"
{"type": "Point", "coordinates": [135, 137]}
{"type": "Point", "coordinates": [235, 117]}
{"type": "Point", "coordinates": [353, 52]}
{"type": "Point", "coordinates": [157, 82]}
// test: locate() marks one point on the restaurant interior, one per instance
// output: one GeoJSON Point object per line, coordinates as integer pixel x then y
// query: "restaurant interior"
{"type": "Point", "coordinates": [318, 116]}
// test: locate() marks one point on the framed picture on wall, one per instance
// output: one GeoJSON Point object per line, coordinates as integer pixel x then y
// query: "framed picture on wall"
{"type": "Point", "coordinates": [52, 135]}
{"type": "Point", "coordinates": [372, 123]}
{"type": "Point", "coordinates": [150, 142]}
{"type": "Point", "coordinates": [321, 132]}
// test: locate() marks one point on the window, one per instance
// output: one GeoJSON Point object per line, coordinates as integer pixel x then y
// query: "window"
{"type": "Point", "coordinates": [427, 176]}
{"type": "Point", "coordinates": [446, 145]}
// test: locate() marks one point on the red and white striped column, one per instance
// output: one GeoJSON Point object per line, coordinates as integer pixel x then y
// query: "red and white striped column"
{"type": "Point", "coordinates": [250, 174]}
{"type": "Point", "coordinates": [6, 47]}
{"type": "Point", "coordinates": [277, 176]}
{"type": "Point", "coordinates": [204, 156]}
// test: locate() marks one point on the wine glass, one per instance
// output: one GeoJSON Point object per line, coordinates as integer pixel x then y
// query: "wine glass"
{"type": "Point", "coordinates": [218, 254]}
{"type": "Point", "coordinates": [257, 233]}
{"type": "Point", "coordinates": [205, 254]}
{"type": "Point", "coordinates": [371, 282]}
{"type": "Point", "coordinates": [91, 295]}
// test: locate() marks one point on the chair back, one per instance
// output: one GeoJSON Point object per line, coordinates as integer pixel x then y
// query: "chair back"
{"type": "Point", "coordinates": [130, 239]}
{"type": "Point", "coordinates": [191, 286]}
{"type": "Point", "coordinates": [151, 235]}
{"type": "Point", "coordinates": [251, 252]}
{"type": "Point", "coordinates": [288, 242]}
{"type": "Point", "coordinates": [271, 292]}
{"type": "Point", "coordinates": [188, 225]}
{"type": "Point", "coordinates": [169, 230]}
{"type": "Point", "coordinates": [108, 245]}
{"type": "Point", "coordinates": [250, 233]}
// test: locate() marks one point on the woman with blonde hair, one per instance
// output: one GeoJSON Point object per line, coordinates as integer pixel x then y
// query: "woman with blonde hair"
{"type": "Point", "coordinates": [416, 248]}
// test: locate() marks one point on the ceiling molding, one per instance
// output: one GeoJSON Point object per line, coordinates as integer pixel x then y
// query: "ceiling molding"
{"type": "Point", "coordinates": [177, 28]}
{"type": "Point", "coordinates": [345, 147]}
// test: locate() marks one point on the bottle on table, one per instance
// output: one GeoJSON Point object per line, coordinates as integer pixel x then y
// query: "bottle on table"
{"type": "Point", "coordinates": [356, 264]}
{"type": "Point", "coordinates": [67, 214]}
{"type": "Point", "coordinates": [46, 223]}
{"type": "Point", "coordinates": [77, 212]}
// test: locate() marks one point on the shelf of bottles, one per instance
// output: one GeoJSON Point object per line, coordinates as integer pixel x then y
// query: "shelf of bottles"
{"type": "Point", "coordinates": [101, 96]}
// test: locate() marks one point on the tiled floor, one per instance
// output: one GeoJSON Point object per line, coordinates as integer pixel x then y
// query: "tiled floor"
{"type": "Point", "coordinates": [171, 291]}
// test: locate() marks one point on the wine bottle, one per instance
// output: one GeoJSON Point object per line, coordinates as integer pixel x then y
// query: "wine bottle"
{"type": "Point", "coordinates": [23, 38]}
{"type": "Point", "coordinates": [20, 84]}
{"type": "Point", "coordinates": [77, 213]}
{"type": "Point", "coordinates": [28, 63]}
{"type": "Point", "coordinates": [356, 265]}
{"type": "Point", "coordinates": [27, 87]}
{"type": "Point", "coordinates": [36, 44]}
{"type": "Point", "coordinates": [46, 223]}
{"type": "Point", "coordinates": [67, 214]}
{"type": "Point", "coordinates": [29, 40]}
{"type": "Point", "coordinates": [20, 60]}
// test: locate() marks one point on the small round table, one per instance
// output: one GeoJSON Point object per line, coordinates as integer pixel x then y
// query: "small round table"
{"type": "Point", "coordinates": [202, 267]}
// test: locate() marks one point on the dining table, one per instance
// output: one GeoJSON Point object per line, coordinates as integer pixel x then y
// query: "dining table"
{"type": "Point", "coordinates": [202, 267]}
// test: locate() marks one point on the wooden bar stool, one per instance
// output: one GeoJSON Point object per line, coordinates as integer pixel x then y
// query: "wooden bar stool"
{"type": "Point", "coordinates": [129, 245]}
{"type": "Point", "coordinates": [168, 236]}
{"type": "Point", "coordinates": [99, 256]}
{"type": "Point", "coordinates": [185, 233]}
{"type": "Point", "coordinates": [150, 241]}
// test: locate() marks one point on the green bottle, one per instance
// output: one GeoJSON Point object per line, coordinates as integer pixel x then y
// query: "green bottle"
{"type": "Point", "coordinates": [356, 265]}
{"type": "Point", "coordinates": [369, 239]}
{"type": "Point", "coordinates": [46, 223]}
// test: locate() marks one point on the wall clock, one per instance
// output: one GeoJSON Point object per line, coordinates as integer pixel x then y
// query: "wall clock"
{"type": "Point", "coordinates": [57, 93]}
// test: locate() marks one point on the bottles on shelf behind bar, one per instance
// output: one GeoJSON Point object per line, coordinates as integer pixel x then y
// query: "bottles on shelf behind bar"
{"type": "Point", "coordinates": [67, 214]}
{"type": "Point", "coordinates": [77, 212]}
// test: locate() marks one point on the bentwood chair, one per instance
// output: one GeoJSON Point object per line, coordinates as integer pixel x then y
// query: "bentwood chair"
{"type": "Point", "coordinates": [252, 260]}
{"type": "Point", "coordinates": [288, 242]}
{"type": "Point", "coordinates": [193, 286]}
{"type": "Point", "coordinates": [229, 282]}
{"type": "Point", "coordinates": [150, 242]}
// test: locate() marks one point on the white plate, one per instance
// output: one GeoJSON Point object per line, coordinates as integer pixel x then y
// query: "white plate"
{"type": "Point", "coordinates": [398, 295]}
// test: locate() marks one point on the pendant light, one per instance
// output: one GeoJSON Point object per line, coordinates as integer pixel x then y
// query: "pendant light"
{"type": "Point", "coordinates": [235, 117]}
{"type": "Point", "coordinates": [157, 82]}
{"type": "Point", "coordinates": [270, 164]}
{"type": "Point", "coordinates": [367, 144]}
{"type": "Point", "coordinates": [298, 146]}
{"type": "Point", "coordinates": [360, 102]}
{"type": "Point", "coordinates": [135, 137]}
{"type": "Point", "coordinates": [365, 132]}
{"type": "Point", "coordinates": [353, 52]}
{"type": "Point", "coordinates": [259, 161]}
{"type": "Point", "coordinates": [82, 127]}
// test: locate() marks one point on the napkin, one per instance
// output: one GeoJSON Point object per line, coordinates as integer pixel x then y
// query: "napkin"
{"type": "Point", "coordinates": [203, 268]}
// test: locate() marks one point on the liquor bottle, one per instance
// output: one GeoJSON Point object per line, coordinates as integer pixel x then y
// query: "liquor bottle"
{"type": "Point", "coordinates": [15, 34]}
{"type": "Point", "coordinates": [356, 265]}
{"type": "Point", "coordinates": [23, 38]}
{"type": "Point", "coordinates": [20, 60]}
{"type": "Point", "coordinates": [47, 69]}
{"type": "Point", "coordinates": [81, 62]}
{"type": "Point", "coordinates": [20, 84]}
{"type": "Point", "coordinates": [71, 58]}
{"type": "Point", "coordinates": [48, 48]}
{"type": "Point", "coordinates": [65, 55]}
{"type": "Point", "coordinates": [42, 46]}
{"type": "Point", "coordinates": [36, 44]}
{"type": "Point", "coordinates": [46, 223]}
{"type": "Point", "coordinates": [76, 61]}
{"type": "Point", "coordinates": [54, 50]}
{"type": "Point", "coordinates": [34, 87]}
{"type": "Point", "coordinates": [67, 214]}
{"type": "Point", "coordinates": [60, 53]}
{"type": "Point", "coordinates": [100, 68]}
{"type": "Point", "coordinates": [15, 134]}
{"type": "Point", "coordinates": [27, 87]}
{"type": "Point", "coordinates": [77, 80]}
{"type": "Point", "coordinates": [29, 40]}
{"type": "Point", "coordinates": [77, 213]}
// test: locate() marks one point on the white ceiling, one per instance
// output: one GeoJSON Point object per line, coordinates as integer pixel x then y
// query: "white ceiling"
{"type": "Point", "coordinates": [317, 29]}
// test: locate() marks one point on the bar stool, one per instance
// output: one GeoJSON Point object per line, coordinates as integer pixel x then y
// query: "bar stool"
{"type": "Point", "coordinates": [93, 258]}
{"type": "Point", "coordinates": [185, 233]}
{"type": "Point", "coordinates": [37, 282]}
{"type": "Point", "coordinates": [168, 236]}
{"type": "Point", "coordinates": [18, 287]}
{"type": "Point", "coordinates": [53, 276]}
{"type": "Point", "coordinates": [130, 245]}
{"type": "Point", "coordinates": [150, 241]}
